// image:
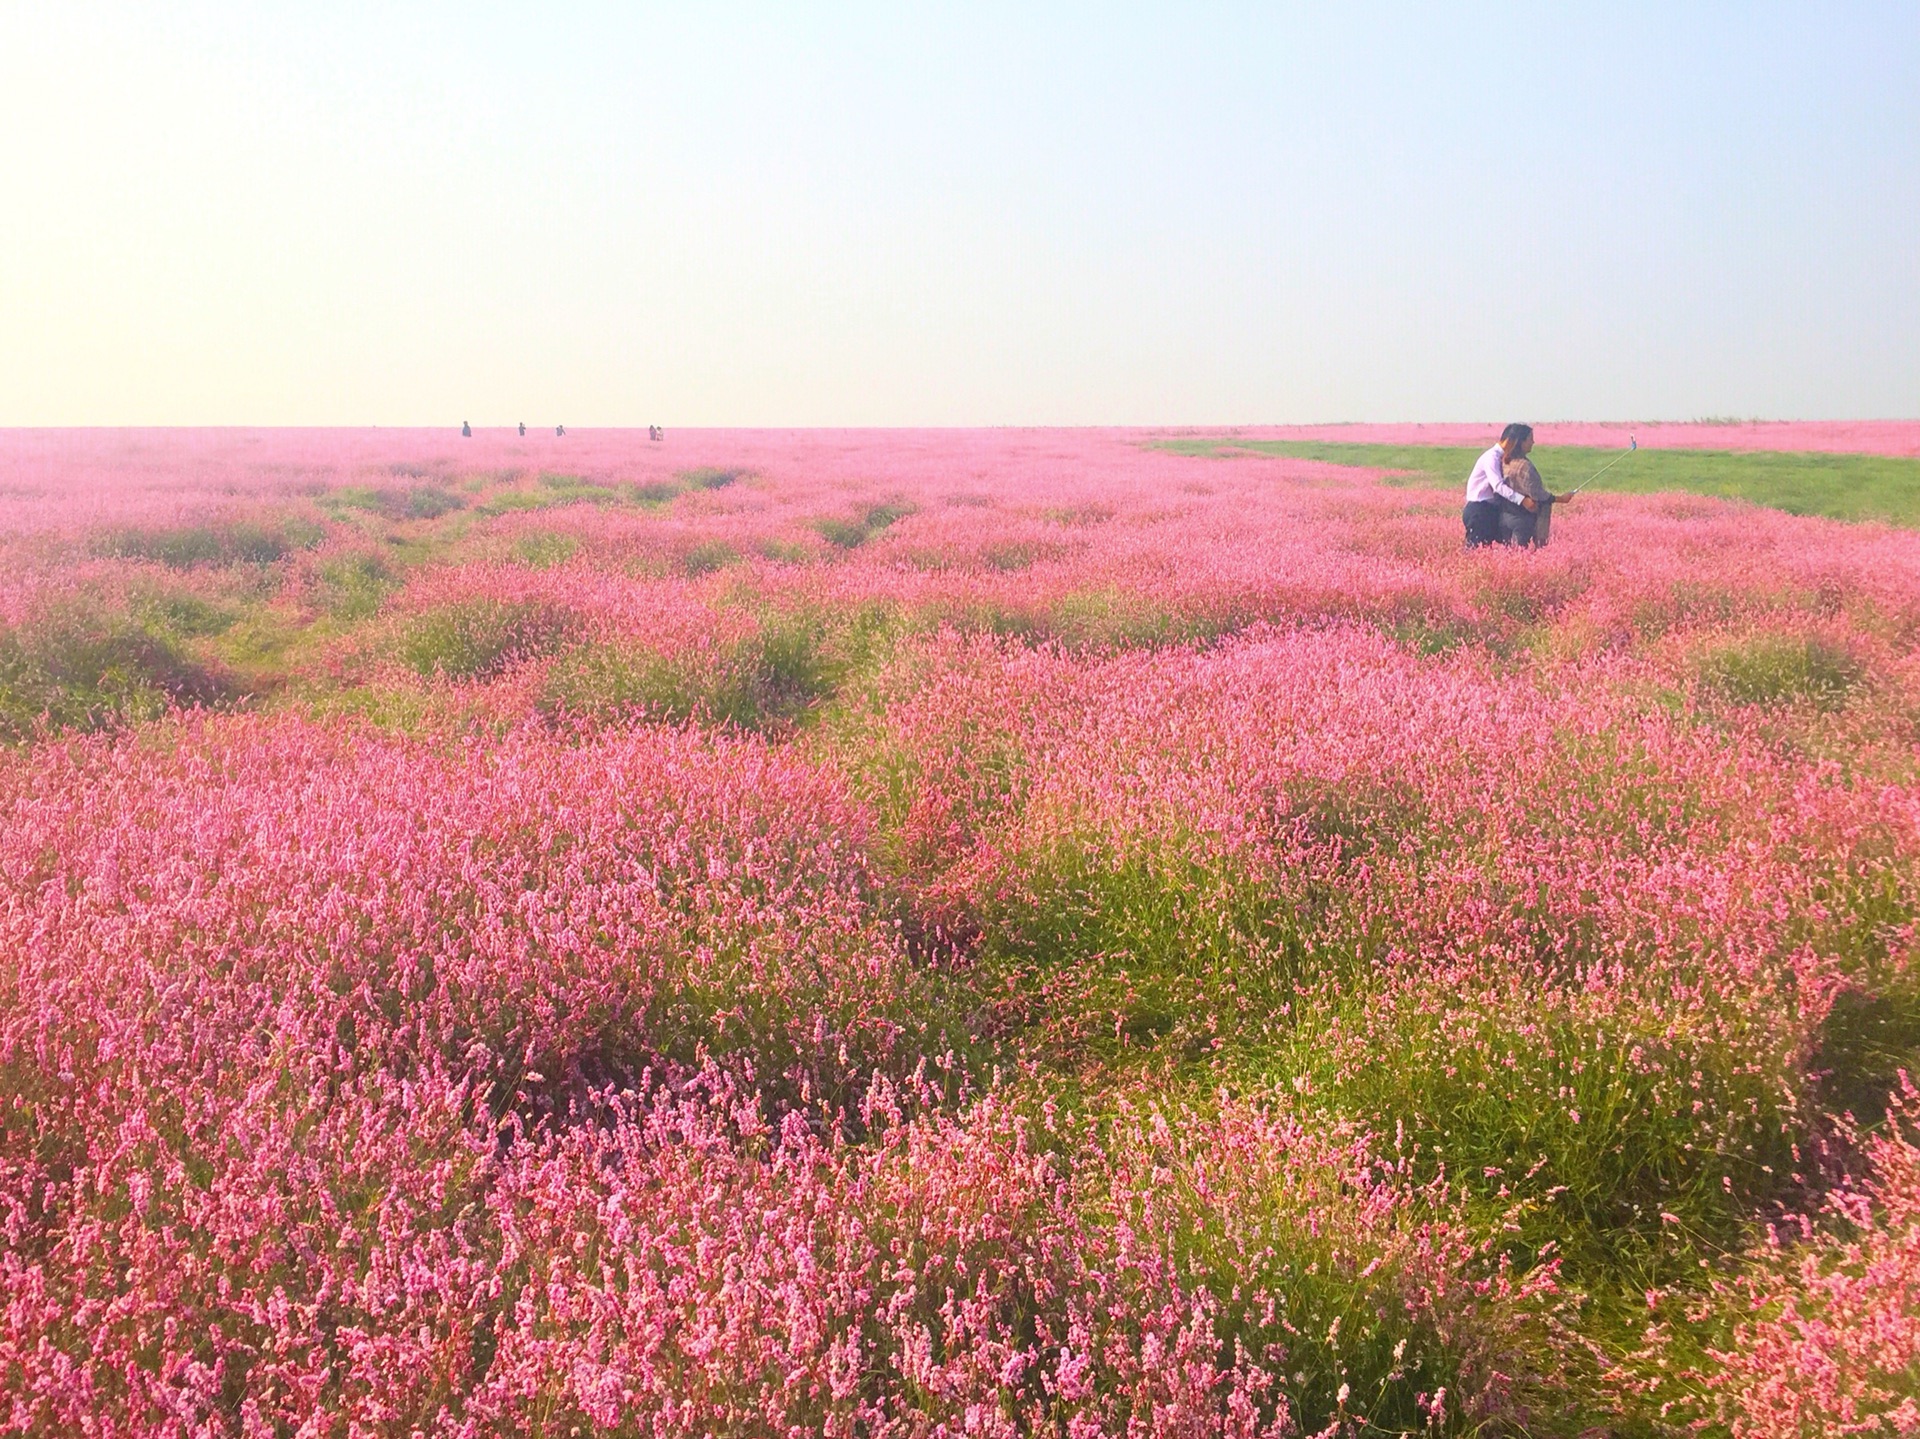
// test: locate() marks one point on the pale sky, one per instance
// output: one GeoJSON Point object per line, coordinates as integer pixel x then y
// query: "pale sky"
{"type": "Point", "coordinates": [823, 214]}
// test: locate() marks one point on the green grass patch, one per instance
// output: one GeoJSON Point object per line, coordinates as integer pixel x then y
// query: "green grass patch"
{"type": "Point", "coordinates": [1841, 487]}
{"type": "Point", "coordinates": [655, 493]}
{"type": "Point", "coordinates": [543, 549]}
{"type": "Point", "coordinates": [1081, 516]}
{"type": "Point", "coordinates": [507, 502]}
{"type": "Point", "coordinates": [785, 552]}
{"type": "Point", "coordinates": [478, 639]}
{"type": "Point", "coordinates": [1772, 669]}
{"type": "Point", "coordinates": [850, 533]}
{"type": "Point", "coordinates": [352, 586]}
{"type": "Point", "coordinates": [1635, 1144]}
{"type": "Point", "coordinates": [708, 477]}
{"type": "Point", "coordinates": [1359, 1323]}
{"type": "Point", "coordinates": [208, 546]}
{"type": "Point", "coordinates": [1867, 1042]}
{"type": "Point", "coordinates": [551, 492]}
{"type": "Point", "coordinates": [403, 711]}
{"type": "Point", "coordinates": [842, 534]}
{"type": "Point", "coordinates": [1116, 619]}
{"type": "Point", "coordinates": [1127, 949]}
{"type": "Point", "coordinates": [706, 558]}
{"type": "Point", "coordinates": [1009, 558]}
{"type": "Point", "coordinates": [771, 679]}
{"type": "Point", "coordinates": [578, 489]}
{"type": "Point", "coordinates": [183, 614]}
{"type": "Point", "coordinates": [612, 681]}
{"type": "Point", "coordinates": [82, 665]}
{"type": "Point", "coordinates": [262, 645]}
{"type": "Point", "coordinates": [1107, 619]}
{"type": "Point", "coordinates": [394, 502]}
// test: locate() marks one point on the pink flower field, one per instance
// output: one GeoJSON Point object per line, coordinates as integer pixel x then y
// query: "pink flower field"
{"type": "Point", "coordinates": [947, 933]}
{"type": "Point", "coordinates": [1838, 437]}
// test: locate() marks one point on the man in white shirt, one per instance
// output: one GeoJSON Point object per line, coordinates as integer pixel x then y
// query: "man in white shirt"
{"type": "Point", "coordinates": [1490, 499]}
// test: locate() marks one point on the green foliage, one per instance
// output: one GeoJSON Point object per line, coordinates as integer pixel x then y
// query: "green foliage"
{"type": "Point", "coordinates": [182, 613]}
{"type": "Point", "coordinates": [843, 534]}
{"type": "Point", "coordinates": [848, 534]}
{"type": "Point", "coordinates": [655, 493]}
{"type": "Point", "coordinates": [81, 665]}
{"type": "Point", "coordinates": [784, 552]}
{"type": "Point", "coordinates": [1841, 487]}
{"type": "Point", "coordinates": [1008, 558]}
{"type": "Point", "coordinates": [209, 546]}
{"type": "Point", "coordinates": [576, 489]}
{"type": "Point", "coordinates": [543, 549]}
{"type": "Point", "coordinates": [1081, 516]}
{"type": "Point", "coordinates": [793, 665]}
{"type": "Point", "coordinates": [480, 638]}
{"type": "Point", "coordinates": [1113, 618]}
{"type": "Point", "coordinates": [506, 502]}
{"type": "Point", "coordinates": [429, 502]}
{"type": "Point", "coordinates": [554, 491]}
{"type": "Point", "coordinates": [1632, 1142]}
{"type": "Point", "coordinates": [1098, 619]}
{"type": "Point", "coordinates": [351, 586]}
{"type": "Point", "coordinates": [477, 480]}
{"type": "Point", "coordinates": [393, 502]}
{"type": "Point", "coordinates": [1428, 634]}
{"type": "Point", "coordinates": [1143, 948]}
{"type": "Point", "coordinates": [766, 681]}
{"type": "Point", "coordinates": [396, 502]}
{"type": "Point", "coordinates": [1769, 669]}
{"type": "Point", "coordinates": [355, 497]}
{"type": "Point", "coordinates": [1868, 1040]}
{"type": "Point", "coordinates": [1343, 1314]}
{"type": "Point", "coordinates": [708, 478]}
{"type": "Point", "coordinates": [704, 559]}
{"type": "Point", "coordinates": [259, 646]}
{"type": "Point", "coordinates": [406, 711]}
{"type": "Point", "coordinates": [613, 681]}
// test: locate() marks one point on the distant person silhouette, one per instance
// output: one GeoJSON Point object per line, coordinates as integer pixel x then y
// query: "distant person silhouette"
{"type": "Point", "coordinates": [466, 429]}
{"type": "Point", "coordinates": [523, 429]}
{"type": "Point", "coordinates": [559, 429]}
{"type": "Point", "coordinates": [654, 432]}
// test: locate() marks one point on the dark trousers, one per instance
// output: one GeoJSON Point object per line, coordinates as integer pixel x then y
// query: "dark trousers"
{"type": "Point", "coordinates": [1496, 522]}
{"type": "Point", "coordinates": [1516, 524]}
{"type": "Point", "coordinates": [1482, 520]}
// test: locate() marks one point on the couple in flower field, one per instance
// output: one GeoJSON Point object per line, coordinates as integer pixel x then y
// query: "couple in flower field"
{"type": "Point", "coordinates": [1507, 501]}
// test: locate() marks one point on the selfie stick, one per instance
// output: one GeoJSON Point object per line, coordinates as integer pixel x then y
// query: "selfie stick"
{"type": "Point", "coordinates": [1632, 445]}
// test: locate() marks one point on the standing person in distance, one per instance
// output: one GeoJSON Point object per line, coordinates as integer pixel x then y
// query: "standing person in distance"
{"type": "Point", "coordinates": [1491, 500]}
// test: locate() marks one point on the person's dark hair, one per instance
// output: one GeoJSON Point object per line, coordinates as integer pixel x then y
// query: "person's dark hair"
{"type": "Point", "coordinates": [1519, 434]}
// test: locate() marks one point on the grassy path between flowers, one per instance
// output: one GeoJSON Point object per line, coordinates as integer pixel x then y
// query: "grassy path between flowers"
{"type": "Point", "coordinates": [1836, 486]}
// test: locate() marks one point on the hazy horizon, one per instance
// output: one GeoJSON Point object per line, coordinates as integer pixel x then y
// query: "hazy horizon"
{"type": "Point", "coordinates": [759, 218]}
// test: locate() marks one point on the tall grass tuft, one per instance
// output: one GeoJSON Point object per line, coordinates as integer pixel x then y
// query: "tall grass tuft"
{"type": "Point", "coordinates": [81, 665]}
{"type": "Point", "coordinates": [1771, 669]}
{"type": "Point", "coordinates": [480, 638]}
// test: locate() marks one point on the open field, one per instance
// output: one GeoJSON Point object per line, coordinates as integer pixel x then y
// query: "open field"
{"type": "Point", "coordinates": [1838, 486]}
{"type": "Point", "coordinates": [1825, 437]}
{"type": "Point", "coordinates": [1005, 932]}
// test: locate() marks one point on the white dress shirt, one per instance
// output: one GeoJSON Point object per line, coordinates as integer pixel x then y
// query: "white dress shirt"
{"type": "Point", "coordinates": [1489, 479]}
